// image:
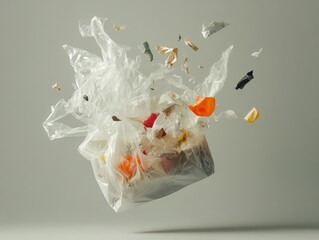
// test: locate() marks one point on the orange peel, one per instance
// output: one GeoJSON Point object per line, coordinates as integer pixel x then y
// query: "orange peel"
{"type": "Point", "coordinates": [203, 106]}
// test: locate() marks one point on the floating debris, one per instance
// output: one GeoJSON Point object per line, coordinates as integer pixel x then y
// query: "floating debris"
{"type": "Point", "coordinates": [203, 106]}
{"type": "Point", "coordinates": [148, 51]}
{"type": "Point", "coordinates": [200, 67]}
{"type": "Point", "coordinates": [256, 54]}
{"type": "Point", "coordinates": [115, 119]}
{"type": "Point", "coordinates": [172, 58]}
{"type": "Point", "coordinates": [119, 27]}
{"type": "Point", "coordinates": [179, 37]}
{"type": "Point", "coordinates": [56, 87]}
{"type": "Point", "coordinates": [86, 98]}
{"type": "Point", "coordinates": [252, 116]}
{"type": "Point", "coordinates": [246, 79]}
{"type": "Point", "coordinates": [229, 114]}
{"type": "Point", "coordinates": [213, 27]}
{"type": "Point", "coordinates": [185, 66]}
{"type": "Point", "coordinates": [190, 44]}
{"type": "Point", "coordinates": [152, 89]}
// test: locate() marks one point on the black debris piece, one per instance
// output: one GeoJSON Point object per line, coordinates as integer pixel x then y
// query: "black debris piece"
{"type": "Point", "coordinates": [246, 79]}
{"type": "Point", "coordinates": [115, 119]}
{"type": "Point", "coordinates": [86, 98]}
{"type": "Point", "coordinates": [147, 51]}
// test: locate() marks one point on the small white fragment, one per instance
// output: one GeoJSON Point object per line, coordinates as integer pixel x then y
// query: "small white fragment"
{"type": "Point", "coordinates": [256, 54]}
{"type": "Point", "coordinates": [213, 27]}
{"type": "Point", "coordinates": [56, 87]}
{"type": "Point", "coordinates": [229, 114]}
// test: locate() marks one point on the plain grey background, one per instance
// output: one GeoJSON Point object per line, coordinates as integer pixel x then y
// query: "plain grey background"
{"type": "Point", "coordinates": [266, 172]}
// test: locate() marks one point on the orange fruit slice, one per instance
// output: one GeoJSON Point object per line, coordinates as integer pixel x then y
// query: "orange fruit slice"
{"type": "Point", "coordinates": [203, 106]}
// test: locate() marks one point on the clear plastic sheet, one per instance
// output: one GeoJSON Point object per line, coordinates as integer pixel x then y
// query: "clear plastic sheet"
{"type": "Point", "coordinates": [142, 144]}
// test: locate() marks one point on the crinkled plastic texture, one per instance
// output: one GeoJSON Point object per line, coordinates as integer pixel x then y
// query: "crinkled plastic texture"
{"type": "Point", "coordinates": [134, 164]}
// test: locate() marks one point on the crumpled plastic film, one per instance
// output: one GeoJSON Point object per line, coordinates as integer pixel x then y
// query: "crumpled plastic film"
{"type": "Point", "coordinates": [142, 145]}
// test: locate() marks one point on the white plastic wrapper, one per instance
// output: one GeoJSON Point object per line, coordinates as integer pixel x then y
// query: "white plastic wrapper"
{"type": "Point", "coordinates": [142, 144]}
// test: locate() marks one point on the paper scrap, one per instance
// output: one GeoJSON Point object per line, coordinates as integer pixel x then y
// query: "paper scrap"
{"type": "Point", "coordinates": [190, 44]}
{"type": "Point", "coordinates": [119, 27]}
{"type": "Point", "coordinates": [172, 58]}
{"type": "Point", "coordinates": [56, 87]}
{"type": "Point", "coordinates": [229, 114]}
{"type": "Point", "coordinates": [213, 27]}
{"type": "Point", "coordinates": [148, 51]}
{"type": "Point", "coordinates": [252, 116]}
{"type": "Point", "coordinates": [246, 79]}
{"type": "Point", "coordinates": [185, 66]}
{"type": "Point", "coordinates": [163, 50]}
{"type": "Point", "coordinates": [256, 54]}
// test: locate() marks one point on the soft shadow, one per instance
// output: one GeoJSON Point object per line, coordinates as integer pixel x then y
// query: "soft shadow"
{"type": "Point", "coordinates": [234, 229]}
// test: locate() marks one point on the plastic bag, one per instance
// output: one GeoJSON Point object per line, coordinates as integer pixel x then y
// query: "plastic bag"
{"type": "Point", "coordinates": [142, 144]}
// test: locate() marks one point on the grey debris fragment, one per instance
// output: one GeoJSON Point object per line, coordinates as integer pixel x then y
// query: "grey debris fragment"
{"type": "Point", "coordinates": [147, 51]}
{"type": "Point", "coordinates": [213, 27]}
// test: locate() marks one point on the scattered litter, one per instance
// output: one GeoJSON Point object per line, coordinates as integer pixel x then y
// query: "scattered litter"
{"type": "Point", "coordinates": [252, 116]}
{"type": "Point", "coordinates": [115, 119]}
{"type": "Point", "coordinates": [203, 106]}
{"type": "Point", "coordinates": [246, 79]}
{"type": "Point", "coordinates": [56, 87]}
{"type": "Point", "coordinates": [148, 51]}
{"type": "Point", "coordinates": [172, 58]}
{"type": "Point", "coordinates": [179, 37]}
{"type": "Point", "coordinates": [213, 27]}
{"type": "Point", "coordinates": [200, 67]}
{"type": "Point", "coordinates": [256, 54]}
{"type": "Point", "coordinates": [142, 145]}
{"type": "Point", "coordinates": [185, 66]}
{"type": "Point", "coordinates": [229, 114]}
{"type": "Point", "coordinates": [119, 27]}
{"type": "Point", "coordinates": [190, 44]}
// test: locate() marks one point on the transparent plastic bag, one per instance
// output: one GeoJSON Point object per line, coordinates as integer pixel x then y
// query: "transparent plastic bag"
{"type": "Point", "coordinates": [142, 144]}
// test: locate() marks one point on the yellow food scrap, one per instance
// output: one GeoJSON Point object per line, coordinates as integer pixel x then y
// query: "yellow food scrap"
{"type": "Point", "coordinates": [252, 116]}
{"type": "Point", "coordinates": [183, 137]}
{"type": "Point", "coordinates": [102, 157]}
{"type": "Point", "coordinates": [190, 44]}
